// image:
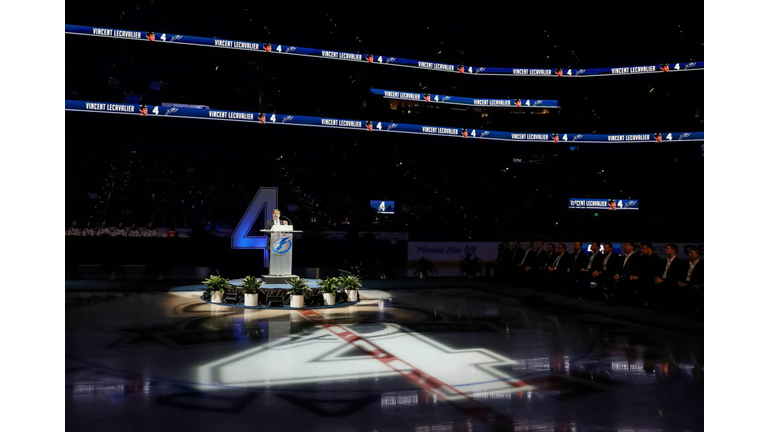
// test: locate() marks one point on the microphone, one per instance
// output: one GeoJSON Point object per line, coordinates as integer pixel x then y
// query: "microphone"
{"type": "Point", "coordinates": [285, 217]}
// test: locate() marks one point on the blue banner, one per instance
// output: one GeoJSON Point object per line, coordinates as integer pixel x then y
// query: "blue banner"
{"type": "Point", "coordinates": [458, 100]}
{"type": "Point", "coordinates": [602, 204]}
{"type": "Point", "coordinates": [158, 37]}
{"type": "Point", "coordinates": [369, 125]}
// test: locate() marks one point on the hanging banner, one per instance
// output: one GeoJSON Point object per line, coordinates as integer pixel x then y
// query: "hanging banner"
{"type": "Point", "coordinates": [458, 100]}
{"type": "Point", "coordinates": [275, 48]}
{"type": "Point", "coordinates": [602, 204]}
{"type": "Point", "coordinates": [369, 125]}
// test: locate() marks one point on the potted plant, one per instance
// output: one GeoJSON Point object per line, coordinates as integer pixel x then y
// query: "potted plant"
{"type": "Point", "coordinates": [252, 288]}
{"type": "Point", "coordinates": [328, 287]}
{"type": "Point", "coordinates": [299, 288]}
{"type": "Point", "coordinates": [351, 285]}
{"type": "Point", "coordinates": [424, 267]}
{"type": "Point", "coordinates": [469, 265]}
{"type": "Point", "coordinates": [216, 286]}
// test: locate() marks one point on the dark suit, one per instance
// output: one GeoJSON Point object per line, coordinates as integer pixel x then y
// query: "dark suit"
{"type": "Point", "coordinates": [585, 277]}
{"type": "Point", "coordinates": [667, 293]}
{"type": "Point", "coordinates": [628, 265]}
{"type": "Point", "coordinates": [676, 272]}
{"type": "Point", "coordinates": [693, 294]}
{"type": "Point", "coordinates": [271, 223]}
{"type": "Point", "coordinates": [611, 267]}
{"type": "Point", "coordinates": [579, 260]}
{"type": "Point", "coordinates": [645, 270]}
{"type": "Point", "coordinates": [627, 287]}
{"type": "Point", "coordinates": [540, 260]}
{"type": "Point", "coordinates": [697, 275]}
{"type": "Point", "coordinates": [556, 279]}
{"type": "Point", "coordinates": [607, 268]}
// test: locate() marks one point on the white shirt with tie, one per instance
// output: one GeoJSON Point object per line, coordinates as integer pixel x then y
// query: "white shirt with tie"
{"type": "Point", "coordinates": [666, 269]}
{"type": "Point", "coordinates": [605, 261]}
{"type": "Point", "coordinates": [691, 266]}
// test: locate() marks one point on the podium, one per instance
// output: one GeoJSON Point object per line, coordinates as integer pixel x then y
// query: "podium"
{"type": "Point", "coordinates": [280, 254]}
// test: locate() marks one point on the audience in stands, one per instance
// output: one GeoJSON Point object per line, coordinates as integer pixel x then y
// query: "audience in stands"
{"type": "Point", "coordinates": [88, 230]}
{"type": "Point", "coordinates": [73, 230]}
{"type": "Point", "coordinates": [104, 230]}
{"type": "Point", "coordinates": [150, 231]}
{"type": "Point", "coordinates": [134, 232]}
{"type": "Point", "coordinates": [119, 231]}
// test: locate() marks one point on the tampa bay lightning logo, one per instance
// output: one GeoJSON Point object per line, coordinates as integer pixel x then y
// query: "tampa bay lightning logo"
{"type": "Point", "coordinates": [282, 245]}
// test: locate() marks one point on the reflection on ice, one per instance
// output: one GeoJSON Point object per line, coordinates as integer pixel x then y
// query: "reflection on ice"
{"type": "Point", "coordinates": [324, 354]}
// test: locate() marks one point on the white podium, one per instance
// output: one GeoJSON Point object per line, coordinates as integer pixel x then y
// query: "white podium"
{"type": "Point", "coordinates": [280, 253]}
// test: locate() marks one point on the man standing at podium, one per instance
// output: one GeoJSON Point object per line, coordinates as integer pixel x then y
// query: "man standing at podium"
{"type": "Point", "coordinates": [275, 220]}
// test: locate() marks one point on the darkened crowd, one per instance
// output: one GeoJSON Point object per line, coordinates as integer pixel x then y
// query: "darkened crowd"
{"type": "Point", "coordinates": [633, 276]}
{"type": "Point", "coordinates": [104, 230]}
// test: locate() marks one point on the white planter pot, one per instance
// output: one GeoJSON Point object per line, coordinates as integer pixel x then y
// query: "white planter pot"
{"type": "Point", "coordinates": [217, 297]}
{"type": "Point", "coordinates": [297, 301]}
{"type": "Point", "coordinates": [251, 299]}
{"type": "Point", "coordinates": [329, 299]}
{"type": "Point", "coordinates": [352, 295]}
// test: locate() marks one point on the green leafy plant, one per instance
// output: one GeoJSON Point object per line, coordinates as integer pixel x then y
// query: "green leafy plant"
{"type": "Point", "coordinates": [252, 285]}
{"type": "Point", "coordinates": [329, 285]}
{"type": "Point", "coordinates": [351, 282]}
{"type": "Point", "coordinates": [469, 265]}
{"type": "Point", "coordinates": [424, 266]}
{"type": "Point", "coordinates": [298, 286]}
{"type": "Point", "coordinates": [216, 283]}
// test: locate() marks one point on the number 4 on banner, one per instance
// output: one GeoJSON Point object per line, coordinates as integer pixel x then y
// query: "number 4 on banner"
{"type": "Point", "coordinates": [156, 110]}
{"type": "Point", "coordinates": [273, 118]}
{"type": "Point", "coordinates": [279, 48]}
{"type": "Point", "coordinates": [669, 136]}
{"type": "Point", "coordinates": [162, 38]}
{"type": "Point", "coordinates": [264, 202]}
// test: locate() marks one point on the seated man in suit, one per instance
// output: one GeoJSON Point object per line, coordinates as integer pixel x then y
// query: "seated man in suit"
{"type": "Point", "coordinates": [531, 264]}
{"type": "Point", "coordinates": [671, 271]}
{"type": "Point", "coordinates": [503, 254]}
{"type": "Point", "coordinates": [275, 220]}
{"type": "Point", "coordinates": [579, 260]}
{"type": "Point", "coordinates": [585, 273]}
{"type": "Point", "coordinates": [692, 286]}
{"type": "Point", "coordinates": [644, 273]}
{"type": "Point", "coordinates": [551, 255]}
{"type": "Point", "coordinates": [545, 259]}
{"type": "Point", "coordinates": [558, 271]}
{"type": "Point", "coordinates": [624, 286]}
{"type": "Point", "coordinates": [606, 271]}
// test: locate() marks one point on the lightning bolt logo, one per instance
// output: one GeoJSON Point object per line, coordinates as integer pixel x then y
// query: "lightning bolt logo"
{"type": "Point", "coordinates": [278, 245]}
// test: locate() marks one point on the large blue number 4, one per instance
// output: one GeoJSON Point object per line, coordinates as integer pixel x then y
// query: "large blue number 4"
{"type": "Point", "coordinates": [264, 201]}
